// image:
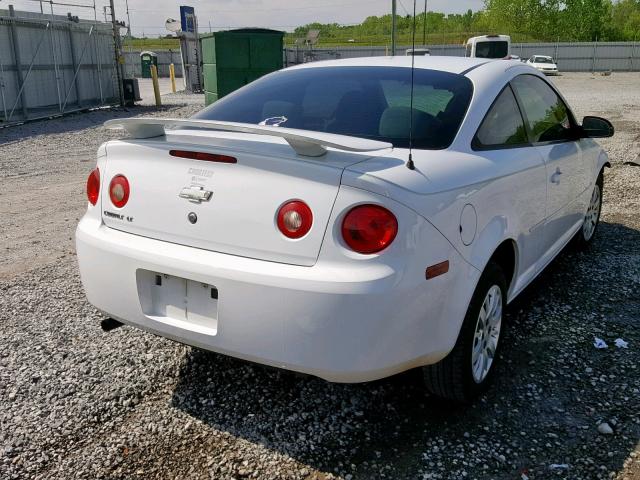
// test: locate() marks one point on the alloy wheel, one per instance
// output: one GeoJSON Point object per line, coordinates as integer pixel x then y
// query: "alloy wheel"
{"type": "Point", "coordinates": [592, 215]}
{"type": "Point", "coordinates": [487, 334]}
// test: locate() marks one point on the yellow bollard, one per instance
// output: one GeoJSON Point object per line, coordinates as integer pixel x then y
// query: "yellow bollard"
{"type": "Point", "coordinates": [172, 74]}
{"type": "Point", "coordinates": [156, 87]}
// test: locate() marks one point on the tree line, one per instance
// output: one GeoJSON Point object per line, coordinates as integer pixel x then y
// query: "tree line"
{"type": "Point", "coordinates": [524, 20]}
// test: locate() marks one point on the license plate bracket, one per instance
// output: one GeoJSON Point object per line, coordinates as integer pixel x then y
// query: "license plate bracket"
{"type": "Point", "coordinates": [178, 301]}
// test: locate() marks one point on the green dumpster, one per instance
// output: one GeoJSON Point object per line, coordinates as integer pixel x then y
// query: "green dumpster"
{"type": "Point", "coordinates": [233, 58]}
{"type": "Point", "coordinates": [146, 60]}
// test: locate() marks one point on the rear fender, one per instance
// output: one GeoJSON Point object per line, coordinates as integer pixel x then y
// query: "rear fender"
{"type": "Point", "coordinates": [487, 241]}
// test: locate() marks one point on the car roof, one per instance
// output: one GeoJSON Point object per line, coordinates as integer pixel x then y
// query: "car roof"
{"type": "Point", "coordinates": [441, 63]}
{"type": "Point", "coordinates": [542, 56]}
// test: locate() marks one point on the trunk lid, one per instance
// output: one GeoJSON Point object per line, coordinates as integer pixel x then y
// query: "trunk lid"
{"type": "Point", "coordinates": [240, 216]}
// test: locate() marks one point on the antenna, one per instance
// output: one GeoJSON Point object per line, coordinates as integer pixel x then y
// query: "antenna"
{"type": "Point", "coordinates": [410, 164]}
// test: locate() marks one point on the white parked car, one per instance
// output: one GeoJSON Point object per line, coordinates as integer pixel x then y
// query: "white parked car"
{"type": "Point", "coordinates": [544, 63]}
{"type": "Point", "coordinates": [287, 224]}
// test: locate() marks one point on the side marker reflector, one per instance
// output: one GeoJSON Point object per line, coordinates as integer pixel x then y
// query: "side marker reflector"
{"type": "Point", "coordinates": [437, 269]}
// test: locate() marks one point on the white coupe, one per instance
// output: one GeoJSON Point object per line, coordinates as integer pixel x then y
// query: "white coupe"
{"type": "Point", "coordinates": [290, 223]}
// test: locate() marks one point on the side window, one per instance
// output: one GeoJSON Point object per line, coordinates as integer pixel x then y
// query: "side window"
{"type": "Point", "coordinates": [546, 113]}
{"type": "Point", "coordinates": [503, 125]}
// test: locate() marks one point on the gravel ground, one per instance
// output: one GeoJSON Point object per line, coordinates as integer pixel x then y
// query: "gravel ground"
{"type": "Point", "coordinates": [77, 402]}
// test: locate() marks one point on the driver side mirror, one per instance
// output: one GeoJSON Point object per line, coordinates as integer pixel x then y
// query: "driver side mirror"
{"type": "Point", "coordinates": [596, 127]}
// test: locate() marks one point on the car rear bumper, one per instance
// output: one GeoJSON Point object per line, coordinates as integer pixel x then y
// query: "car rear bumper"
{"type": "Point", "coordinates": [341, 324]}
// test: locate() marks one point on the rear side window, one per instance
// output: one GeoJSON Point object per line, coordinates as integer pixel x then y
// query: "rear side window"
{"type": "Point", "coordinates": [368, 102]}
{"type": "Point", "coordinates": [503, 125]}
{"type": "Point", "coordinates": [548, 116]}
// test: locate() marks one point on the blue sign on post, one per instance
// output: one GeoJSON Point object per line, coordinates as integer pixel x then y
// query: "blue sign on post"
{"type": "Point", "coordinates": [187, 19]}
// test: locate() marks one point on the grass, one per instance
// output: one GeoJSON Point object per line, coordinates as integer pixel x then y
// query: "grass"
{"type": "Point", "coordinates": [151, 44]}
{"type": "Point", "coordinates": [439, 38]}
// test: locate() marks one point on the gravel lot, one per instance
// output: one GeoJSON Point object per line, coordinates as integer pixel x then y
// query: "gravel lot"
{"type": "Point", "coordinates": [77, 402]}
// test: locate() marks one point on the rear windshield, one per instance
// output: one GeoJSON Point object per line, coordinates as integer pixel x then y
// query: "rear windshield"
{"type": "Point", "coordinates": [543, 60]}
{"type": "Point", "coordinates": [368, 102]}
{"type": "Point", "coordinates": [492, 49]}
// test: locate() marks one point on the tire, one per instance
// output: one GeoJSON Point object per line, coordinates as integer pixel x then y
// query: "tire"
{"type": "Point", "coordinates": [454, 377]}
{"type": "Point", "coordinates": [584, 237]}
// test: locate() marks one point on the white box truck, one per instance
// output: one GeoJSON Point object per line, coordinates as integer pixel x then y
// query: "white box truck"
{"type": "Point", "coordinates": [488, 46]}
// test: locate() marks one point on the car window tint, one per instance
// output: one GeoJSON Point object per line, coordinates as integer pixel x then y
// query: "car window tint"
{"type": "Point", "coordinates": [546, 113]}
{"type": "Point", "coordinates": [425, 98]}
{"type": "Point", "coordinates": [503, 125]}
{"type": "Point", "coordinates": [368, 102]}
{"type": "Point", "coordinates": [321, 99]}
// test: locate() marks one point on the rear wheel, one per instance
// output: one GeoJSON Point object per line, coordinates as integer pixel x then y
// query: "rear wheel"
{"type": "Point", "coordinates": [467, 371]}
{"type": "Point", "coordinates": [584, 236]}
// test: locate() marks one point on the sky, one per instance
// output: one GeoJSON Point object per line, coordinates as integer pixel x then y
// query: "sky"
{"type": "Point", "coordinates": [148, 16]}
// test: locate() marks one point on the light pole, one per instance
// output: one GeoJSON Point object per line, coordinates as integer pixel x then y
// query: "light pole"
{"type": "Point", "coordinates": [129, 20]}
{"type": "Point", "coordinates": [393, 27]}
{"type": "Point", "coordinates": [424, 25]}
{"type": "Point", "coordinates": [118, 52]}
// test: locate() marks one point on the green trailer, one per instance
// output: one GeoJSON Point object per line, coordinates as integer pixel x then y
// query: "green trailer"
{"type": "Point", "coordinates": [233, 58]}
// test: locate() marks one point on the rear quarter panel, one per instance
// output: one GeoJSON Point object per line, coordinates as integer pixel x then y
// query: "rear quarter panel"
{"type": "Point", "coordinates": [507, 188]}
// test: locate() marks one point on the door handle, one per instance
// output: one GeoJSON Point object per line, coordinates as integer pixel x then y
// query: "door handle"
{"type": "Point", "coordinates": [555, 178]}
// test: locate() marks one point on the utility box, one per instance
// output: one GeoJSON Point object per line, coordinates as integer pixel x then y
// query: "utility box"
{"type": "Point", "coordinates": [233, 58]}
{"type": "Point", "coordinates": [131, 91]}
{"type": "Point", "coordinates": [146, 60]}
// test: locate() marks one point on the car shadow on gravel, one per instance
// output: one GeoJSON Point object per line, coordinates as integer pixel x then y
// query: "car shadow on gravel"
{"type": "Point", "coordinates": [74, 122]}
{"type": "Point", "coordinates": [552, 390]}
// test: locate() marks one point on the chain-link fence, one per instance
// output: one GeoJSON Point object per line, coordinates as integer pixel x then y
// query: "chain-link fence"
{"type": "Point", "coordinates": [570, 56]}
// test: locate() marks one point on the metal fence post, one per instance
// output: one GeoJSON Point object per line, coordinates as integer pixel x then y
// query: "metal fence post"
{"type": "Point", "coordinates": [74, 63]}
{"type": "Point", "coordinates": [595, 48]}
{"type": "Point", "coordinates": [55, 61]}
{"type": "Point", "coordinates": [16, 54]}
{"type": "Point", "coordinates": [99, 64]}
{"type": "Point", "coordinates": [4, 102]}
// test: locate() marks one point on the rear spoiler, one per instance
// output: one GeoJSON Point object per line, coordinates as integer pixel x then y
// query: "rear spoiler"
{"type": "Point", "coordinates": [304, 142]}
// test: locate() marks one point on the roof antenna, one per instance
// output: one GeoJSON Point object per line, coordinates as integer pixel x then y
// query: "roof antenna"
{"type": "Point", "coordinates": [410, 164]}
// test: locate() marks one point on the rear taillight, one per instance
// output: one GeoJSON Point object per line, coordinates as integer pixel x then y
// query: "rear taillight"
{"type": "Point", "coordinates": [295, 219]}
{"type": "Point", "coordinates": [369, 228]}
{"type": "Point", "coordinates": [119, 191]}
{"type": "Point", "coordinates": [93, 186]}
